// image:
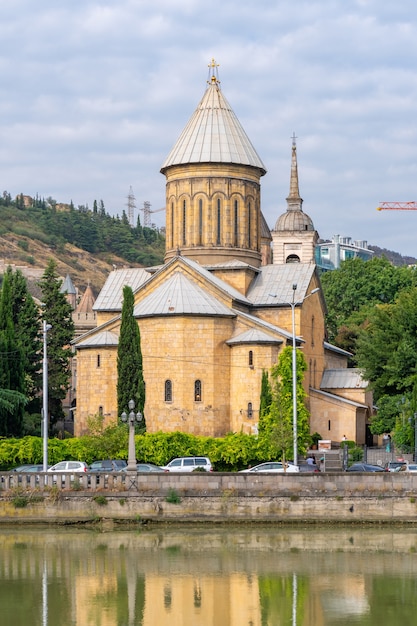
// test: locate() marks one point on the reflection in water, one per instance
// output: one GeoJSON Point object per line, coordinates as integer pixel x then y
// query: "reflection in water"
{"type": "Point", "coordinates": [268, 576]}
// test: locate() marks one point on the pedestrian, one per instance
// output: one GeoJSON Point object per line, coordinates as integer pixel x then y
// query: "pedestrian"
{"type": "Point", "coordinates": [388, 444]}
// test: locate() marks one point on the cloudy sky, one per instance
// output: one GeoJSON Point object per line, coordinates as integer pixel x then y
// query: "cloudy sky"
{"type": "Point", "coordinates": [93, 95]}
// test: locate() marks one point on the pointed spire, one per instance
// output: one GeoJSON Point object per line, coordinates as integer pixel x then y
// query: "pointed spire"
{"type": "Point", "coordinates": [294, 201]}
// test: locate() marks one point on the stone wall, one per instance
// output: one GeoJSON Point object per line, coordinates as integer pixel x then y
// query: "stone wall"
{"type": "Point", "coordinates": [217, 497]}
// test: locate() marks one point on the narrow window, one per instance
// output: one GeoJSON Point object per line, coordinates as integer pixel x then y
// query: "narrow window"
{"type": "Point", "coordinates": [249, 225]}
{"type": "Point", "coordinates": [168, 391]}
{"type": "Point", "coordinates": [100, 411]}
{"type": "Point", "coordinates": [197, 391]}
{"type": "Point", "coordinates": [98, 360]}
{"type": "Point", "coordinates": [250, 410]}
{"type": "Point", "coordinates": [312, 330]}
{"type": "Point", "coordinates": [250, 359]}
{"type": "Point", "coordinates": [200, 221]}
{"type": "Point", "coordinates": [172, 223]}
{"type": "Point", "coordinates": [236, 223]}
{"type": "Point", "coordinates": [218, 222]}
{"type": "Point", "coordinates": [184, 222]}
{"type": "Point", "coordinates": [329, 426]}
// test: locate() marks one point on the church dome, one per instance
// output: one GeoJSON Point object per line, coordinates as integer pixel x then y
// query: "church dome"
{"type": "Point", "coordinates": [294, 221]}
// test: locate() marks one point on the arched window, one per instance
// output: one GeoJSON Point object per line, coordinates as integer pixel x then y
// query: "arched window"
{"type": "Point", "coordinates": [250, 358]}
{"type": "Point", "coordinates": [200, 221]}
{"type": "Point", "coordinates": [312, 330]}
{"type": "Point", "coordinates": [184, 222]}
{"type": "Point", "coordinates": [219, 215]}
{"type": "Point", "coordinates": [172, 223]}
{"type": "Point", "coordinates": [249, 225]}
{"type": "Point", "coordinates": [168, 391]}
{"type": "Point", "coordinates": [100, 411]}
{"type": "Point", "coordinates": [292, 258]}
{"type": "Point", "coordinates": [236, 223]}
{"type": "Point", "coordinates": [250, 410]}
{"type": "Point", "coordinates": [197, 391]}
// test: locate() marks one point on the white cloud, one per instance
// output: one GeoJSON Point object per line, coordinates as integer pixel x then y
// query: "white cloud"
{"type": "Point", "coordinates": [93, 94]}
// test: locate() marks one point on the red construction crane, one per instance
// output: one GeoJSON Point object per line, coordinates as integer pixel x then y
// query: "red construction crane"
{"type": "Point", "coordinates": [397, 206]}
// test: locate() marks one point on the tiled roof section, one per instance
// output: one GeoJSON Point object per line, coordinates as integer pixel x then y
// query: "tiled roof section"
{"type": "Point", "coordinates": [179, 295]}
{"type": "Point", "coordinates": [68, 286]}
{"type": "Point", "coordinates": [265, 230]}
{"type": "Point", "coordinates": [273, 285]}
{"type": "Point", "coordinates": [99, 340]}
{"type": "Point", "coordinates": [213, 135]}
{"type": "Point", "coordinates": [220, 284]}
{"type": "Point", "coordinates": [110, 297]}
{"type": "Point", "coordinates": [339, 399]}
{"type": "Point", "coordinates": [87, 301]}
{"type": "Point", "coordinates": [232, 264]}
{"type": "Point", "coordinates": [253, 335]}
{"type": "Point", "coordinates": [345, 378]}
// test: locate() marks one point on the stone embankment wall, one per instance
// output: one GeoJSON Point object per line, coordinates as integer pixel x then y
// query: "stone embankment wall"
{"type": "Point", "coordinates": [217, 497]}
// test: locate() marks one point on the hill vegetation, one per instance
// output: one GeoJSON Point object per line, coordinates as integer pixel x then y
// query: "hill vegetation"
{"type": "Point", "coordinates": [84, 243]}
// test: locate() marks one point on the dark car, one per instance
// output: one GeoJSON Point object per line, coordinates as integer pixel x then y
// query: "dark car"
{"type": "Point", "coordinates": [29, 468]}
{"type": "Point", "coordinates": [365, 467]}
{"type": "Point", "coordinates": [146, 467]}
{"type": "Point", "coordinates": [108, 465]}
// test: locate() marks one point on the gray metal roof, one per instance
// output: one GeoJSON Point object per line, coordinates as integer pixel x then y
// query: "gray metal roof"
{"type": "Point", "coordinates": [220, 284]}
{"type": "Point", "coordinates": [339, 399]}
{"type": "Point", "coordinates": [68, 286]}
{"type": "Point", "coordinates": [345, 378]}
{"type": "Point", "coordinates": [110, 297]}
{"type": "Point", "coordinates": [179, 295]}
{"type": "Point", "coordinates": [213, 135]}
{"type": "Point", "coordinates": [273, 285]}
{"type": "Point", "coordinates": [254, 335]}
{"type": "Point", "coordinates": [100, 340]}
{"type": "Point", "coordinates": [336, 349]}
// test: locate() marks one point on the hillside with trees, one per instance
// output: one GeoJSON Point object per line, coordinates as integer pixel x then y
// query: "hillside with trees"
{"type": "Point", "coordinates": [85, 243]}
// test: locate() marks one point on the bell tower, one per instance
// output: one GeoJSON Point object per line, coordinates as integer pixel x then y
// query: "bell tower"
{"type": "Point", "coordinates": [213, 173]}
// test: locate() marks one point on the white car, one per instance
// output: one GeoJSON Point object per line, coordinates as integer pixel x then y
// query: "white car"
{"type": "Point", "coordinates": [69, 467]}
{"type": "Point", "coordinates": [274, 467]}
{"type": "Point", "coordinates": [189, 464]}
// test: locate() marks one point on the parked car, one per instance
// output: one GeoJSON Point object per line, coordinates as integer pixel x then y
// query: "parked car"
{"type": "Point", "coordinates": [69, 467]}
{"type": "Point", "coordinates": [275, 467]}
{"type": "Point", "coordinates": [29, 468]}
{"type": "Point", "coordinates": [412, 468]}
{"type": "Point", "coordinates": [146, 467]}
{"type": "Point", "coordinates": [365, 467]}
{"type": "Point", "coordinates": [189, 464]}
{"type": "Point", "coordinates": [396, 466]}
{"type": "Point", "coordinates": [108, 465]}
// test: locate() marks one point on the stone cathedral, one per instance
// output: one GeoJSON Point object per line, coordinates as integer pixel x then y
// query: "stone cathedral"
{"type": "Point", "coordinates": [218, 311]}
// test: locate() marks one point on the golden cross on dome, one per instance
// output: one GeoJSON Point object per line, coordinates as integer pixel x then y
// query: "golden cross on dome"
{"type": "Point", "coordinates": [213, 73]}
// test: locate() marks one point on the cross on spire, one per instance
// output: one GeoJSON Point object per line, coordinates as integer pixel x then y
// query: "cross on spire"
{"type": "Point", "coordinates": [213, 72]}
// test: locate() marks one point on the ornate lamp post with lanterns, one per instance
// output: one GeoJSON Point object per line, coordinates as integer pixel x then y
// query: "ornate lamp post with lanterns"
{"type": "Point", "coordinates": [132, 419]}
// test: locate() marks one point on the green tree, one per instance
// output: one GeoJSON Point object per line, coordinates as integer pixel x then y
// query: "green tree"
{"type": "Point", "coordinates": [12, 379]}
{"type": "Point", "coordinates": [277, 424]}
{"type": "Point", "coordinates": [58, 313]}
{"type": "Point", "coordinates": [354, 289]}
{"type": "Point", "coordinates": [25, 316]}
{"type": "Point", "coordinates": [265, 400]}
{"type": "Point", "coordinates": [130, 383]}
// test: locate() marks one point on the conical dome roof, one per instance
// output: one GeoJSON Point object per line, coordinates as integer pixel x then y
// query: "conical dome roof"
{"type": "Point", "coordinates": [213, 135]}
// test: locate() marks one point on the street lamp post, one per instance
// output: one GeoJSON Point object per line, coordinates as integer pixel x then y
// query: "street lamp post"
{"type": "Point", "coordinates": [132, 418]}
{"type": "Point", "coordinates": [293, 304]}
{"type": "Point", "coordinates": [45, 421]}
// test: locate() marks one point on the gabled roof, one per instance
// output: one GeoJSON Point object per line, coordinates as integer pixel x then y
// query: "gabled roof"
{"type": "Point", "coordinates": [178, 295]}
{"type": "Point", "coordinates": [98, 340]}
{"type": "Point", "coordinates": [344, 378]}
{"type": "Point", "coordinates": [331, 348]}
{"type": "Point", "coordinates": [338, 399]}
{"type": "Point", "coordinates": [213, 135]}
{"type": "Point", "coordinates": [110, 297]}
{"type": "Point", "coordinates": [274, 284]}
{"type": "Point", "coordinates": [254, 335]}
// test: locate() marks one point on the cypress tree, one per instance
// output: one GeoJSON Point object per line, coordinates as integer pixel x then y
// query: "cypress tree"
{"type": "Point", "coordinates": [58, 313]}
{"type": "Point", "coordinates": [130, 383]}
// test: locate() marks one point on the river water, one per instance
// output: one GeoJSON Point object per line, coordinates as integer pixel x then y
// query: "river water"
{"type": "Point", "coordinates": [209, 576]}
